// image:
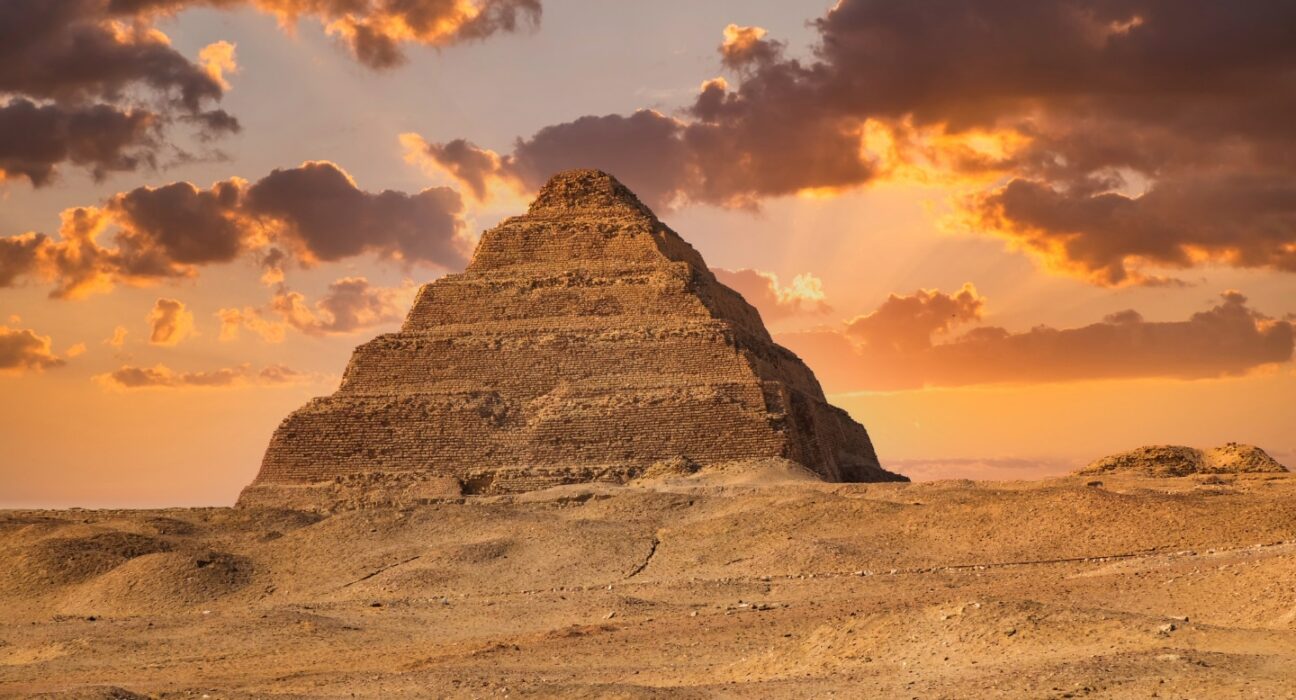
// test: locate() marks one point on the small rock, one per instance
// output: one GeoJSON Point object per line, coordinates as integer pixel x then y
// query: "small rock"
{"type": "Point", "coordinates": [1166, 629]}
{"type": "Point", "coordinates": [610, 615]}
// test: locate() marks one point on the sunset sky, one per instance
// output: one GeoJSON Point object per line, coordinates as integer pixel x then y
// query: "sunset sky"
{"type": "Point", "coordinates": [1009, 237]}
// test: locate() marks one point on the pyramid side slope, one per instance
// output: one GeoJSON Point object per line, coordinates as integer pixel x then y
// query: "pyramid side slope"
{"type": "Point", "coordinates": [586, 341]}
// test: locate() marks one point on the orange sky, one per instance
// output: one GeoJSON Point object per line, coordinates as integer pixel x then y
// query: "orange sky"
{"type": "Point", "coordinates": [1007, 247]}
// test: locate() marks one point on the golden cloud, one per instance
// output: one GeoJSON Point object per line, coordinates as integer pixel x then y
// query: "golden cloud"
{"type": "Point", "coordinates": [804, 295]}
{"type": "Point", "coordinates": [24, 350]}
{"type": "Point", "coordinates": [1099, 138]}
{"type": "Point", "coordinates": [310, 214]}
{"type": "Point", "coordinates": [130, 378]}
{"type": "Point", "coordinates": [898, 346]}
{"type": "Point", "coordinates": [351, 305]}
{"type": "Point", "coordinates": [169, 323]}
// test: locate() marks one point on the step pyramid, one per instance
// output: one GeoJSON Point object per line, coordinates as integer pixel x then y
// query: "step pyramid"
{"type": "Point", "coordinates": [586, 341]}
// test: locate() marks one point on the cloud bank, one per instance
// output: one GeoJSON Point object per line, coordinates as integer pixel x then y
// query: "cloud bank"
{"type": "Point", "coordinates": [905, 344]}
{"type": "Point", "coordinates": [376, 31]}
{"type": "Point", "coordinates": [351, 305]}
{"type": "Point", "coordinates": [95, 84]}
{"type": "Point", "coordinates": [1108, 138]}
{"type": "Point", "coordinates": [130, 377]}
{"type": "Point", "coordinates": [309, 214]}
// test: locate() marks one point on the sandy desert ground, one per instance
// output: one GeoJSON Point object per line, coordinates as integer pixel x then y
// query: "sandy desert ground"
{"type": "Point", "coordinates": [712, 587]}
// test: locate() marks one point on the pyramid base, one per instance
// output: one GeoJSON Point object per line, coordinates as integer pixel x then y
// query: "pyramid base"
{"type": "Point", "coordinates": [403, 489]}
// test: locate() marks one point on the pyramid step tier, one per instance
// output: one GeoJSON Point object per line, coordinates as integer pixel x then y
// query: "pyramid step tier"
{"type": "Point", "coordinates": [668, 289]}
{"type": "Point", "coordinates": [632, 429]}
{"type": "Point", "coordinates": [454, 433]}
{"type": "Point", "coordinates": [531, 358]}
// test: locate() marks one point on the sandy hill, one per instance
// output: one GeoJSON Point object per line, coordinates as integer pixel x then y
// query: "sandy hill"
{"type": "Point", "coordinates": [1176, 460]}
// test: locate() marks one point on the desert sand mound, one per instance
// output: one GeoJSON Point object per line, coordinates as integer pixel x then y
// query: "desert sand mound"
{"type": "Point", "coordinates": [1236, 457]}
{"type": "Point", "coordinates": [1177, 460]}
{"type": "Point", "coordinates": [163, 581]}
{"type": "Point", "coordinates": [59, 561]}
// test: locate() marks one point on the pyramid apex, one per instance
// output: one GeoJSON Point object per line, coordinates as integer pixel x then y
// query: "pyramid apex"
{"type": "Point", "coordinates": [585, 189]}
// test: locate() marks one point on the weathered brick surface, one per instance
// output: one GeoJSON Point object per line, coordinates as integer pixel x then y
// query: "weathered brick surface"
{"type": "Point", "coordinates": [585, 342]}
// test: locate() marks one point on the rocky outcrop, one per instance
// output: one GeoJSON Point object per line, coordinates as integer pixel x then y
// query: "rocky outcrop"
{"type": "Point", "coordinates": [1176, 460]}
{"type": "Point", "coordinates": [586, 341]}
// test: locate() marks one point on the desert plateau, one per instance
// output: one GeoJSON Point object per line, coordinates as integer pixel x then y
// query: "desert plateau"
{"type": "Point", "coordinates": [748, 582]}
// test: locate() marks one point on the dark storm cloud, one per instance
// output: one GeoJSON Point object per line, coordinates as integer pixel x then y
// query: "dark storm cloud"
{"type": "Point", "coordinates": [71, 50]}
{"type": "Point", "coordinates": [1133, 133]}
{"type": "Point", "coordinates": [311, 213]}
{"type": "Point", "coordinates": [646, 148]}
{"type": "Point", "coordinates": [36, 139]}
{"type": "Point", "coordinates": [897, 346]}
{"type": "Point", "coordinates": [326, 217]}
{"type": "Point", "coordinates": [180, 223]}
{"type": "Point", "coordinates": [92, 87]}
{"type": "Point", "coordinates": [95, 83]}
